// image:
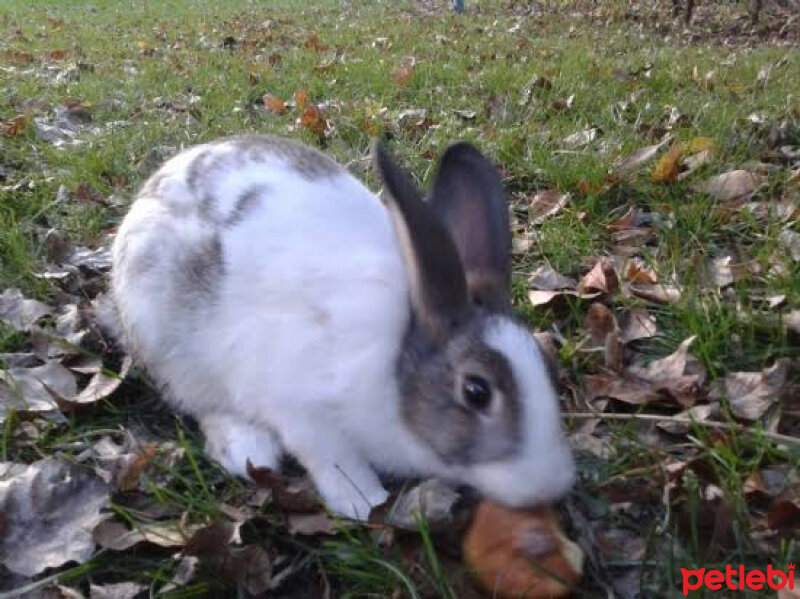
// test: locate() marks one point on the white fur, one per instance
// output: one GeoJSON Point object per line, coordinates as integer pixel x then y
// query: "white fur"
{"type": "Point", "coordinates": [298, 348]}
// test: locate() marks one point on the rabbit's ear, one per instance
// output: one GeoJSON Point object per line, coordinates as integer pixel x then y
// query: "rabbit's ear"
{"type": "Point", "coordinates": [438, 285]}
{"type": "Point", "coordinates": [468, 198]}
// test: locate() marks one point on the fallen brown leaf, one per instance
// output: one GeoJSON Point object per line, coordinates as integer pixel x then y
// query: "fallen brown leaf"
{"type": "Point", "coordinates": [637, 324]}
{"type": "Point", "coordinates": [49, 509]}
{"type": "Point", "coordinates": [668, 167]}
{"type": "Point", "coordinates": [750, 394]}
{"type": "Point", "coordinates": [292, 495]}
{"type": "Point", "coordinates": [313, 120]}
{"type": "Point", "coordinates": [33, 389]}
{"type": "Point", "coordinates": [432, 500]}
{"type": "Point", "coordinates": [20, 313]}
{"type": "Point", "coordinates": [547, 278]}
{"type": "Point", "coordinates": [58, 54]}
{"type": "Point", "coordinates": [545, 204]}
{"type": "Point", "coordinates": [15, 126]}
{"type": "Point", "coordinates": [637, 271]}
{"type": "Point", "coordinates": [733, 185]}
{"type": "Point", "coordinates": [301, 98]}
{"type": "Point", "coordinates": [659, 294]}
{"type": "Point", "coordinates": [601, 278]}
{"type": "Point", "coordinates": [274, 103]}
{"type": "Point", "coordinates": [311, 524]}
{"type": "Point", "coordinates": [640, 157]}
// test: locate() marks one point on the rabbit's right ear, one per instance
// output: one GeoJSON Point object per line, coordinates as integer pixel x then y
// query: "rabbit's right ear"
{"type": "Point", "coordinates": [438, 285]}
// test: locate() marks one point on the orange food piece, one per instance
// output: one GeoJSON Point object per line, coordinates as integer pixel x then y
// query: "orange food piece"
{"type": "Point", "coordinates": [521, 553]}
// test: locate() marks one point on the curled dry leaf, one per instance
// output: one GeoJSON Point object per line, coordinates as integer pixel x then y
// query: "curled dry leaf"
{"type": "Point", "coordinates": [33, 389]}
{"type": "Point", "coordinates": [112, 534]}
{"type": "Point", "coordinates": [432, 500]}
{"type": "Point", "coordinates": [637, 271]}
{"type": "Point", "coordinates": [602, 278]}
{"type": "Point", "coordinates": [599, 322]}
{"type": "Point", "coordinates": [313, 120]}
{"type": "Point", "coordinates": [640, 157]}
{"type": "Point", "coordinates": [49, 509]}
{"type": "Point", "coordinates": [274, 104]}
{"type": "Point", "coordinates": [676, 377]}
{"type": "Point", "coordinates": [311, 524]}
{"type": "Point", "coordinates": [100, 386]}
{"type": "Point", "coordinates": [750, 394]}
{"type": "Point", "coordinates": [290, 494]}
{"type": "Point", "coordinates": [120, 590]}
{"type": "Point", "coordinates": [637, 324]}
{"type": "Point", "coordinates": [699, 413]}
{"type": "Point", "coordinates": [733, 185]}
{"type": "Point", "coordinates": [659, 294]}
{"type": "Point", "coordinates": [547, 278]}
{"type": "Point", "coordinates": [668, 166]}
{"type": "Point", "coordinates": [20, 313]}
{"type": "Point", "coordinates": [15, 126]}
{"type": "Point", "coordinates": [545, 204]}
{"type": "Point", "coordinates": [581, 138]}
{"type": "Point", "coordinates": [521, 553]}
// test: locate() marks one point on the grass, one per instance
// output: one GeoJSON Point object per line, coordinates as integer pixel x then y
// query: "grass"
{"type": "Point", "coordinates": [163, 72]}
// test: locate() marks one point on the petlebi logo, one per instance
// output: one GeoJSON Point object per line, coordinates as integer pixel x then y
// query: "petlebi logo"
{"type": "Point", "coordinates": [736, 579]}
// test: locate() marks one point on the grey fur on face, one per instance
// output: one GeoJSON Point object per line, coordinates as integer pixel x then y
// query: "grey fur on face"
{"type": "Point", "coordinates": [430, 381]}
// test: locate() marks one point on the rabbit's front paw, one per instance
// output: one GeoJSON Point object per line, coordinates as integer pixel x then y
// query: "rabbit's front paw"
{"type": "Point", "coordinates": [354, 503]}
{"type": "Point", "coordinates": [233, 443]}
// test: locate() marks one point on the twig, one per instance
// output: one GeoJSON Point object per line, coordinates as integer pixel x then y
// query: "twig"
{"type": "Point", "coordinates": [682, 420]}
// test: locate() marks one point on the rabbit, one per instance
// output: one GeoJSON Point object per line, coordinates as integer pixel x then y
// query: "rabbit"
{"type": "Point", "coordinates": [290, 310]}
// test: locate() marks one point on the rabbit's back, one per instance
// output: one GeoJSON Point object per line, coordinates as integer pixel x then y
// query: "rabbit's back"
{"type": "Point", "coordinates": [258, 263]}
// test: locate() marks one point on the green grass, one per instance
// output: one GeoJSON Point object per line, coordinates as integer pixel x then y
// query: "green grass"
{"type": "Point", "coordinates": [133, 59]}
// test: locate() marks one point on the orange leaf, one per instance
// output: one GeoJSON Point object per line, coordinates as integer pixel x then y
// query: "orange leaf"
{"type": "Point", "coordinates": [313, 120]}
{"type": "Point", "coordinates": [314, 43]}
{"type": "Point", "coordinates": [667, 167]}
{"type": "Point", "coordinates": [402, 75]}
{"type": "Point", "coordinates": [59, 54]}
{"type": "Point", "coordinates": [301, 98]}
{"type": "Point", "coordinates": [15, 126]}
{"type": "Point", "coordinates": [16, 57]}
{"type": "Point", "coordinates": [274, 103]}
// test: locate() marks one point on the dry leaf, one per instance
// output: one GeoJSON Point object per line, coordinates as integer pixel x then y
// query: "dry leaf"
{"type": "Point", "coordinates": [113, 534]}
{"type": "Point", "coordinates": [17, 58]}
{"type": "Point", "coordinates": [290, 494]}
{"type": "Point", "coordinates": [120, 590]}
{"type": "Point", "coordinates": [581, 138]}
{"type": "Point", "coordinates": [733, 185]}
{"type": "Point", "coordinates": [659, 294]}
{"type": "Point", "coordinates": [637, 324]}
{"type": "Point", "coordinates": [100, 386]}
{"type": "Point", "coordinates": [668, 167]}
{"type": "Point", "coordinates": [301, 98]}
{"type": "Point", "coordinates": [545, 204]}
{"type": "Point", "coordinates": [15, 126]}
{"type": "Point", "coordinates": [311, 524]}
{"type": "Point", "coordinates": [699, 413]}
{"type": "Point", "coordinates": [274, 103]}
{"type": "Point", "coordinates": [432, 500]}
{"type": "Point", "coordinates": [540, 297]}
{"type": "Point", "coordinates": [49, 509]}
{"type": "Point", "coordinates": [20, 313]}
{"type": "Point", "coordinates": [639, 158]}
{"type": "Point", "coordinates": [791, 241]}
{"type": "Point", "coordinates": [599, 322]}
{"type": "Point", "coordinates": [59, 54]}
{"type": "Point", "coordinates": [601, 278]}
{"type": "Point", "coordinates": [313, 43]}
{"type": "Point", "coordinates": [33, 389]}
{"type": "Point", "coordinates": [313, 120]}
{"type": "Point", "coordinates": [637, 271]}
{"type": "Point", "coordinates": [750, 394]}
{"type": "Point", "coordinates": [403, 74]}
{"type": "Point", "coordinates": [547, 278]}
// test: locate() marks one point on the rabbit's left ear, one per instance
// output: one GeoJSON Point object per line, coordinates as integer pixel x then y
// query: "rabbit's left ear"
{"type": "Point", "coordinates": [468, 197]}
{"type": "Point", "coordinates": [439, 295]}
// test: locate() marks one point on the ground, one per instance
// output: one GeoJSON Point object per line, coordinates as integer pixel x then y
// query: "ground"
{"type": "Point", "coordinates": [652, 168]}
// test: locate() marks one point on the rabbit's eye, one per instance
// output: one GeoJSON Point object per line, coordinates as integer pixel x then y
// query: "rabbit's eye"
{"type": "Point", "coordinates": [477, 392]}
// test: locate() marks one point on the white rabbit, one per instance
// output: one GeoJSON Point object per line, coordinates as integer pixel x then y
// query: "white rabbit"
{"type": "Point", "coordinates": [282, 304]}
